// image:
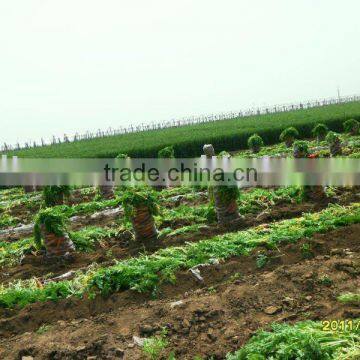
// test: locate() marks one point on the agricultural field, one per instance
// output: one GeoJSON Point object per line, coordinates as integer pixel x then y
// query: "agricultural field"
{"type": "Point", "coordinates": [188, 140]}
{"type": "Point", "coordinates": [168, 274]}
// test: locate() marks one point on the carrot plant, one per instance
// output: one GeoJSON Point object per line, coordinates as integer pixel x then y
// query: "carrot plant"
{"type": "Point", "coordinates": [301, 341]}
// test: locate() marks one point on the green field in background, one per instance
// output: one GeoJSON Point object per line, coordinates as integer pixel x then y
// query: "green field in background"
{"type": "Point", "coordinates": [188, 140]}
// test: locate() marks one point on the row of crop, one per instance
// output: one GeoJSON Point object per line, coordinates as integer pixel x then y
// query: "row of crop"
{"type": "Point", "coordinates": [92, 201]}
{"type": "Point", "coordinates": [14, 193]}
{"type": "Point", "coordinates": [172, 222]}
{"type": "Point", "coordinates": [147, 272]}
{"type": "Point", "coordinates": [246, 200]}
{"type": "Point", "coordinates": [8, 217]}
{"type": "Point", "coordinates": [85, 240]}
{"type": "Point", "coordinates": [188, 140]}
{"type": "Point", "coordinates": [350, 147]}
{"type": "Point", "coordinates": [54, 195]}
{"type": "Point", "coordinates": [86, 208]}
{"type": "Point", "coordinates": [321, 132]}
{"type": "Point", "coordinates": [141, 209]}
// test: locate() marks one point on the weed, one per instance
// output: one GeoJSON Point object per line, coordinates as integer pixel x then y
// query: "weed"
{"type": "Point", "coordinates": [261, 260]}
{"type": "Point", "coordinates": [211, 290]}
{"type": "Point", "coordinates": [306, 251]}
{"type": "Point", "coordinates": [350, 298]}
{"type": "Point", "coordinates": [155, 345]}
{"type": "Point", "coordinates": [326, 281]}
{"type": "Point", "coordinates": [234, 277]}
{"type": "Point", "coordinates": [43, 329]}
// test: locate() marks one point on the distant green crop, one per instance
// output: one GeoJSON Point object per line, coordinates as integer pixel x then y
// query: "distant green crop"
{"type": "Point", "coordinates": [188, 140]}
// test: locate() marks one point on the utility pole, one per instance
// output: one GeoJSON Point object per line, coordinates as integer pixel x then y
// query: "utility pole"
{"type": "Point", "coordinates": [338, 91]}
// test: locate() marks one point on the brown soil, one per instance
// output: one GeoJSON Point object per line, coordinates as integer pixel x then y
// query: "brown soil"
{"type": "Point", "coordinates": [215, 317]}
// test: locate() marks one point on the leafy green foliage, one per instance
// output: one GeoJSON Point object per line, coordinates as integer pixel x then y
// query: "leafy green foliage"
{"type": "Point", "coordinates": [174, 191]}
{"type": "Point", "coordinates": [261, 260]}
{"type": "Point", "coordinates": [301, 148]}
{"type": "Point", "coordinates": [306, 251]}
{"type": "Point", "coordinates": [26, 292]}
{"type": "Point", "coordinates": [122, 156]}
{"type": "Point", "coordinates": [352, 126]}
{"type": "Point", "coordinates": [228, 193]}
{"type": "Point", "coordinates": [86, 239]}
{"type": "Point", "coordinates": [350, 298]}
{"type": "Point", "coordinates": [88, 207]}
{"type": "Point", "coordinates": [146, 272]}
{"type": "Point", "coordinates": [7, 220]}
{"type": "Point", "coordinates": [43, 329]}
{"type": "Point", "coordinates": [326, 281]}
{"type": "Point", "coordinates": [15, 193]}
{"type": "Point", "coordinates": [139, 196]}
{"type": "Point", "coordinates": [85, 208]}
{"type": "Point", "coordinates": [155, 345]}
{"type": "Point", "coordinates": [258, 199]}
{"type": "Point", "coordinates": [272, 150]}
{"type": "Point", "coordinates": [289, 134]}
{"type": "Point", "coordinates": [320, 131]}
{"type": "Point", "coordinates": [187, 214]}
{"type": "Point", "coordinates": [53, 220]}
{"type": "Point", "coordinates": [11, 252]}
{"type": "Point", "coordinates": [166, 153]}
{"type": "Point", "coordinates": [188, 140]}
{"type": "Point", "coordinates": [350, 144]}
{"type": "Point", "coordinates": [255, 142]}
{"type": "Point", "coordinates": [223, 154]}
{"type": "Point", "coordinates": [302, 341]}
{"type": "Point", "coordinates": [252, 201]}
{"type": "Point", "coordinates": [54, 195]}
{"type": "Point", "coordinates": [332, 137]}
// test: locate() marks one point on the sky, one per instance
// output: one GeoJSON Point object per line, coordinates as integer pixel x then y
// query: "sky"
{"type": "Point", "coordinates": [69, 66]}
